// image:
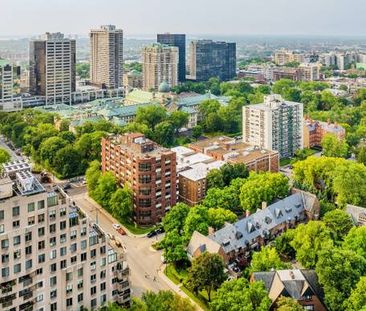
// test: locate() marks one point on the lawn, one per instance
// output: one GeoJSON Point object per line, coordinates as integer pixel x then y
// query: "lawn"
{"type": "Point", "coordinates": [177, 276]}
{"type": "Point", "coordinates": [301, 155]}
{"type": "Point", "coordinates": [135, 229]}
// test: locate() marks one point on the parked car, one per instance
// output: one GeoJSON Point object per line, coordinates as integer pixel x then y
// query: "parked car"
{"type": "Point", "coordinates": [152, 234]}
{"type": "Point", "coordinates": [121, 231]}
{"type": "Point", "coordinates": [160, 230]}
{"type": "Point", "coordinates": [116, 226]}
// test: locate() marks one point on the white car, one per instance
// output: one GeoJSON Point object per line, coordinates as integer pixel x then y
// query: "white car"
{"type": "Point", "coordinates": [116, 226]}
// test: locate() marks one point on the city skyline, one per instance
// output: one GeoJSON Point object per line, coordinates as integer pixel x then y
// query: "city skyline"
{"type": "Point", "coordinates": [237, 17]}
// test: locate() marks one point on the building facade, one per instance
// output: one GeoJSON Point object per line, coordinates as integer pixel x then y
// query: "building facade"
{"type": "Point", "coordinates": [275, 124]}
{"type": "Point", "coordinates": [132, 80]}
{"type": "Point", "coordinates": [147, 168]}
{"type": "Point", "coordinates": [52, 256]}
{"type": "Point", "coordinates": [10, 99]}
{"type": "Point", "coordinates": [159, 66]}
{"type": "Point", "coordinates": [178, 40]}
{"type": "Point", "coordinates": [283, 57]}
{"type": "Point", "coordinates": [52, 68]}
{"type": "Point", "coordinates": [314, 131]}
{"type": "Point", "coordinates": [106, 62]}
{"type": "Point", "coordinates": [210, 59]}
{"type": "Point", "coordinates": [309, 71]}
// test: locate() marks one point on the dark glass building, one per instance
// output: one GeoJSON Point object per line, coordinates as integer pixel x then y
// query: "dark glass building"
{"type": "Point", "coordinates": [210, 59]}
{"type": "Point", "coordinates": [178, 40]}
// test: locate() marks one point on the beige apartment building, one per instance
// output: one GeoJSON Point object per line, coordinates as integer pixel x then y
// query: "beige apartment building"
{"type": "Point", "coordinates": [309, 71]}
{"type": "Point", "coordinates": [275, 124]}
{"type": "Point", "coordinates": [52, 68]}
{"type": "Point", "coordinates": [106, 63]}
{"type": "Point", "coordinates": [53, 257]}
{"type": "Point", "coordinates": [282, 57]}
{"type": "Point", "coordinates": [159, 66]}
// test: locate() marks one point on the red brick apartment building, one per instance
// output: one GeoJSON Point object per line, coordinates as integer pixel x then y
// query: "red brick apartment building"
{"type": "Point", "coordinates": [149, 170]}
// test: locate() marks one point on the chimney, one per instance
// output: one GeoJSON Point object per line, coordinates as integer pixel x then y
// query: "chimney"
{"type": "Point", "coordinates": [247, 213]}
{"type": "Point", "coordinates": [292, 275]}
{"type": "Point", "coordinates": [264, 204]}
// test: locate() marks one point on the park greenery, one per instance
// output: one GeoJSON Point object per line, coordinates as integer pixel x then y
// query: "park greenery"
{"type": "Point", "coordinates": [4, 157]}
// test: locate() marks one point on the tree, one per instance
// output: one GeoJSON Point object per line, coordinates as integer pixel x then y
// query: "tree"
{"type": "Point", "coordinates": [361, 154]}
{"type": "Point", "coordinates": [197, 220]}
{"type": "Point", "coordinates": [92, 176]}
{"type": "Point", "coordinates": [334, 147]}
{"type": "Point", "coordinates": [206, 273]}
{"type": "Point", "coordinates": [173, 245]}
{"type": "Point", "coordinates": [232, 171]}
{"type": "Point", "coordinates": [89, 145]}
{"type": "Point", "coordinates": [48, 149]}
{"type": "Point", "coordinates": [338, 271]}
{"type": "Point", "coordinates": [215, 179]}
{"type": "Point", "coordinates": [4, 156]}
{"type": "Point", "coordinates": [121, 203]}
{"type": "Point", "coordinates": [197, 131]}
{"type": "Point", "coordinates": [339, 223]}
{"type": "Point", "coordinates": [266, 260]}
{"type": "Point", "coordinates": [309, 239]}
{"type": "Point", "coordinates": [241, 295]}
{"type": "Point", "coordinates": [356, 240]}
{"type": "Point", "coordinates": [263, 187]}
{"type": "Point", "coordinates": [176, 217]}
{"type": "Point", "coordinates": [218, 216]}
{"type": "Point", "coordinates": [67, 162]}
{"type": "Point", "coordinates": [105, 188]}
{"type": "Point", "coordinates": [151, 115]}
{"type": "Point", "coordinates": [288, 304]}
{"type": "Point", "coordinates": [357, 299]}
{"type": "Point", "coordinates": [83, 70]}
{"type": "Point", "coordinates": [178, 119]}
{"type": "Point", "coordinates": [283, 244]}
{"type": "Point", "coordinates": [164, 133]}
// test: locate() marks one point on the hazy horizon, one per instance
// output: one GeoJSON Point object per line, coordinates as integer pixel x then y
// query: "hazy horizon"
{"type": "Point", "coordinates": [327, 18]}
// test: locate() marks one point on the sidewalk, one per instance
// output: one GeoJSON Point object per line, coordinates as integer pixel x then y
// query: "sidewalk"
{"type": "Point", "coordinates": [176, 287]}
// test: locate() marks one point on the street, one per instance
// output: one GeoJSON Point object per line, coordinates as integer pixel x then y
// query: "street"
{"type": "Point", "coordinates": [12, 153]}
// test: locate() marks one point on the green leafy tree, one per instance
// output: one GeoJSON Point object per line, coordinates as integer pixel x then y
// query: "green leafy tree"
{"type": "Point", "coordinates": [67, 136]}
{"type": "Point", "coordinates": [89, 145]}
{"type": "Point", "coordinates": [361, 154]}
{"type": "Point", "coordinates": [263, 187]}
{"type": "Point", "coordinates": [4, 156]}
{"type": "Point", "coordinates": [232, 171]}
{"type": "Point", "coordinates": [178, 119]}
{"type": "Point", "coordinates": [197, 220]}
{"type": "Point", "coordinates": [48, 149]}
{"type": "Point", "coordinates": [105, 188]}
{"type": "Point", "coordinates": [176, 217]}
{"type": "Point", "coordinates": [164, 133]}
{"type": "Point", "coordinates": [197, 131]}
{"type": "Point", "coordinates": [174, 247]}
{"type": "Point", "coordinates": [357, 299]}
{"type": "Point", "coordinates": [218, 216]}
{"type": "Point", "coordinates": [333, 147]}
{"type": "Point", "coordinates": [83, 70]}
{"type": "Point", "coordinates": [266, 260]}
{"type": "Point", "coordinates": [309, 239]}
{"type": "Point", "coordinates": [151, 115]}
{"type": "Point", "coordinates": [241, 295]}
{"type": "Point", "coordinates": [121, 203]}
{"type": "Point", "coordinates": [338, 271]}
{"type": "Point", "coordinates": [283, 244]}
{"type": "Point", "coordinates": [66, 162]}
{"type": "Point", "coordinates": [92, 175]}
{"type": "Point", "coordinates": [355, 240]}
{"type": "Point", "coordinates": [206, 273]}
{"type": "Point", "coordinates": [339, 223]}
{"type": "Point", "coordinates": [288, 304]}
{"type": "Point", "coordinates": [215, 179]}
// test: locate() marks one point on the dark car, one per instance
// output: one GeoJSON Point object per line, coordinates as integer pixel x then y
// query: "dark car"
{"type": "Point", "coordinates": [66, 186]}
{"type": "Point", "coordinates": [152, 234]}
{"type": "Point", "coordinates": [159, 230]}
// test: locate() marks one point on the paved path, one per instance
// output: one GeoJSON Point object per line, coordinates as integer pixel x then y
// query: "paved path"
{"type": "Point", "coordinates": [147, 270]}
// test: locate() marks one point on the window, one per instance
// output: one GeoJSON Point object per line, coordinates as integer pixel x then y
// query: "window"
{"type": "Point", "coordinates": [73, 259]}
{"type": "Point", "coordinates": [52, 201]}
{"type": "Point", "coordinates": [80, 272]}
{"type": "Point", "coordinates": [93, 278]}
{"type": "Point", "coordinates": [53, 254]}
{"type": "Point", "coordinates": [53, 267]}
{"type": "Point", "coordinates": [83, 231]}
{"type": "Point", "coordinates": [53, 228]}
{"type": "Point", "coordinates": [80, 284]}
{"type": "Point", "coordinates": [144, 167]}
{"type": "Point", "coordinates": [5, 243]}
{"type": "Point", "coordinates": [68, 302]}
{"type": "Point", "coordinates": [39, 271]}
{"type": "Point", "coordinates": [73, 247]}
{"type": "Point", "coordinates": [103, 261]}
{"type": "Point", "coordinates": [53, 281]}
{"type": "Point", "coordinates": [103, 299]}
{"type": "Point", "coordinates": [103, 274]}
{"type": "Point", "coordinates": [69, 276]}
{"type": "Point", "coordinates": [31, 207]}
{"type": "Point", "coordinates": [1, 215]}
{"type": "Point", "coordinates": [16, 224]}
{"type": "Point", "coordinates": [17, 268]}
{"type": "Point", "coordinates": [41, 258]}
{"type": "Point", "coordinates": [80, 297]}
{"type": "Point", "coordinates": [102, 250]}
{"type": "Point", "coordinates": [31, 221]}
{"type": "Point", "coordinates": [68, 289]}
{"type": "Point", "coordinates": [73, 234]}
{"type": "Point", "coordinates": [16, 240]}
{"type": "Point", "coordinates": [40, 218]}
{"type": "Point", "coordinates": [40, 204]}
{"type": "Point", "coordinates": [41, 245]}
{"type": "Point", "coordinates": [28, 250]}
{"type": "Point", "coordinates": [94, 303]}
{"type": "Point", "coordinates": [28, 237]}
{"type": "Point", "coordinates": [41, 231]}
{"type": "Point", "coordinates": [63, 264]}
{"type": "Point", "coordinates": [83, 257]}
{"type": "Point", "coordinates": [93, 290]}
{"type": "Point", "coordinates": [5, 272]}
{"type": "Point", "coordinates": [63, 251]}
{"type": "Point", "coordinates": [62, 238]}
{"type": "Point", "coordinates": [39, 298]}
{"type": "Point", "coordinates": [93, 253]}
{"type": "Point", "coordinates": [53, 294]}
{"type": "Point", "coordinates": [28, 264]}
{"type": "Point", "coordinates": [63, 225]}
{"type": "Point", "coordinates": [52, 241]}
{"type": "Point", "coordinates": [16, 211]}
{"type": "Point", "coordinates": [2, 229]}
{"type": "Point", "coordinates": [5, 258]}
{"type": "Point", "coordinates": [53, 306]}
{"type": "Point", "coordinates": [17, 254]}
{"type": "Point", "coordinates": [52, 215]}
{"type": "Point", "coordinates": [63, 211]}
{"type": "Point", "coordinates": [102, 286]}
{"type": "Point", "coordinates": [83, 244]}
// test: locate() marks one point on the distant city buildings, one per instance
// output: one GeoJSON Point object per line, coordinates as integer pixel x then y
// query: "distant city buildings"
{"type": "Point", "coordinates": [160, 67]}
{"type": "Point", "coordinates": [283, 57]}
{"type": "Point", "coordinates": [148, 169]}
{"type": "Point", "coordinates": [10, 99]}
{"type": "Point", "coordinates": [309, 71]}
{"type": "Point", "coordinates": [52, 68]}
{"type": "Point", "coordinates": [132, 80]}
{"type": "Point", "coordinates": [106, 61]}
{"type": "Point", "coordinates": [178, 40]}
{"type": "Point", "coordinates": [314, 132]}
{"type": "Point", "coordinates": [211, 59]}
{"type": "Point", "coordinates": [53, 257]}
{"type": "Point", "coordinates": [275, 124]}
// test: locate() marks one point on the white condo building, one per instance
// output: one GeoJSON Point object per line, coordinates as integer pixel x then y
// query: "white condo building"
{"type": "Point", "coordinates": [53, 257]}
{"type": "Point", "coordinates": [10, 99]}
{"type": "Point", "coordinates": [275, 124]}
{"type": "Point", "coordinates": [106, 63]}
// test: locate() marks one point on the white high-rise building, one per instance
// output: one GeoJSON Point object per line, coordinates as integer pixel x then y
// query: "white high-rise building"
{"type": "Point", "coordinates": [275, 124]}
{"type": "Point", "coordinates": [106, 63]}
{"type": "Point", "coordinates": [53, 257]}
{"type": "Point", "coordinates": [159, 67]}
{"type": "Point", "coordinates": [10, 99]}
{"type": "Point", "coordinates": [52, 68]}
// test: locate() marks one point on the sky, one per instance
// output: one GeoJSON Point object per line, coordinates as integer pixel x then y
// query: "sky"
{"type": "Point", "coordinates": [223, 17]}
